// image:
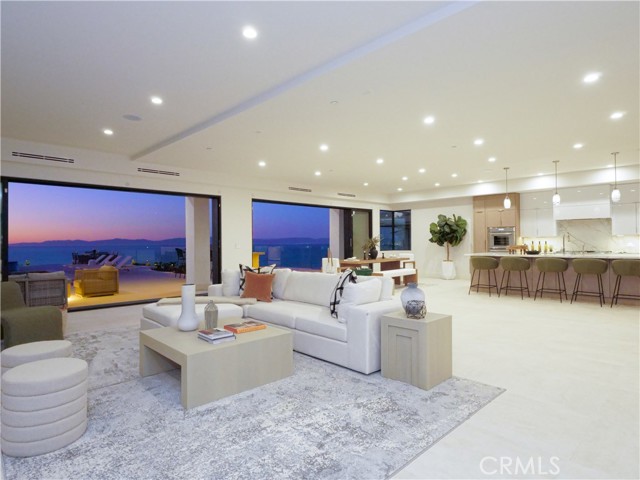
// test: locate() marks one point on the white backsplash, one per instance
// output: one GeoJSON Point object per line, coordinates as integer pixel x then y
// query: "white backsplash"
{"type": "Point", "coordinates": [592, 234]}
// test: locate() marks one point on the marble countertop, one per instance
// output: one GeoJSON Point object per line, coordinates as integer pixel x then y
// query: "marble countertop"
{"type": "Point", "coordinates": [603, 255]}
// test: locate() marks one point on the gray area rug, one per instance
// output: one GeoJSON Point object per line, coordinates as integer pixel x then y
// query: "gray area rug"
{"type": "Point", "coordinates": [323, 422]}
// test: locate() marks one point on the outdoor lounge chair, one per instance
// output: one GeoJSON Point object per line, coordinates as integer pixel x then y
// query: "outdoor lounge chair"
{"type": "Point", "coordinates": [113, 261]}
{"type": "Point", "coordinates": [107, 258]}
{"type": "Point", "coordinates": [96, 282]}
{"type": "Point", "coordinates": [122, 263]}
{"type": "Point", "coordinates": [22, 324]}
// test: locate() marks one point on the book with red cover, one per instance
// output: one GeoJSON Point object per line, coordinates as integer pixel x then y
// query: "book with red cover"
{"type": "Point", "coordinates": [244, 327]}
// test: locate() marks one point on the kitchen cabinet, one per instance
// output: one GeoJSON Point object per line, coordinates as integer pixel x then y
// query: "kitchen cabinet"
{"type": "Point", "coordinates": [583, 203]}
{"type": "Point", "coordinates": [537, 222]}
{"type": "Point", "coordinates": [479, 231]}
{"type": "Point", "coordinates": [625, 219]}
{"type": "Point", "coordinates": [501, 217]}
{"type": "Point", "coordinates": [489, 211]}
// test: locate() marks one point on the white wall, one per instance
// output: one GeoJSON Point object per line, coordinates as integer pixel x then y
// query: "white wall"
{"type": "Point", "coordinates": [428, 255]}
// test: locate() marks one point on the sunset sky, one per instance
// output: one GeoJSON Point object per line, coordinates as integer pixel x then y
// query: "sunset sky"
{"type": "Point", "coordinates": [43, 212]}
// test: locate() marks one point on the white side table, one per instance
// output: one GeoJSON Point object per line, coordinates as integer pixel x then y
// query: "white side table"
{"type": "Point", "coordinates": [416, 351]}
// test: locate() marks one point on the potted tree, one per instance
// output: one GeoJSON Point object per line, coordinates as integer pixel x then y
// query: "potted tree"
{"type": "Point", "coordinates": [371, 246]}
{"type": "Point", "coordinates": [447, 232]}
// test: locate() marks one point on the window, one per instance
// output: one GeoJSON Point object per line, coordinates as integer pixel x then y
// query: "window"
{"type": "Point", "coordinates": [395, 230]}
{"type": "Point", "coordinates": [289, 235]}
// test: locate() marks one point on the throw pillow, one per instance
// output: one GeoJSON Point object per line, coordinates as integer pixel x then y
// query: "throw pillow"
{"type": "Point", "coordinates": [258, 286]}
{"type": "Point", "coordinates": [345, 277]}
{"type": "Point", "coordinates": [280, 281]}
{"type": "Point", "coordinates": [358, 294]}
{"type": "Point", "coordinates": [267, 269]}
{"type": "Point", "coordinates": [230, 283]}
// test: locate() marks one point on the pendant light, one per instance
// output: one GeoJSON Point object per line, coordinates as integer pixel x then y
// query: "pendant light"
{"type": "Point", "coordinates": [615, 193]}
{"type": "Point", "coordinates": [507, 200]}
{"type": "Point", "coordinates": [556, 196]}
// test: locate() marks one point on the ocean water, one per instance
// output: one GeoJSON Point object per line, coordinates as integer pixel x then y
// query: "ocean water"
{"type": "Point", "coordinates": [62, 255]}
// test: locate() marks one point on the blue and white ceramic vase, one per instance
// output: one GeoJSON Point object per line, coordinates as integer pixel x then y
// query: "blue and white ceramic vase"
{"type": "Point", "coordinates": [413, 301]}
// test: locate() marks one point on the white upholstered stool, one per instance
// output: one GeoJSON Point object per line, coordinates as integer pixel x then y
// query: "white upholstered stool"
{"type": "Point", "coordinates": [30, 352]}
{"type": "Point", "coordinates": [44, 406]}
{"type": "Point", "coordinates": [156, 316]}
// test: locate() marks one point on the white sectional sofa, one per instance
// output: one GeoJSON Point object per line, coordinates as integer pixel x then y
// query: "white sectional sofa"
{"type": "Point", "coordinates": [301, 303]}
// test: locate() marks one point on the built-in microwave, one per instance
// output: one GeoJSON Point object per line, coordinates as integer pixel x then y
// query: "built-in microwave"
{"type": "Point", "coordinates": [499, 238]}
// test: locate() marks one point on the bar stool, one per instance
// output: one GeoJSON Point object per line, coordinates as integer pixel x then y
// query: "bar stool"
{"type": "Point", "coordinates": [624, 268]}
{"type": "Point", "coordinates": [551, 265]}
{"type": "Point", "coordinates": [514, 264]}
{"type": "Point", "coordinates": [484, 263]}
{"type": "Point", "coordinates": [589, 266]}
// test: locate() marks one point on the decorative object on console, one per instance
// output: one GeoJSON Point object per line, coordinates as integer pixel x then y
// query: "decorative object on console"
{"type": "Point", "coordinates": [211, 316]}
{"type": "Point", "coordinates": [413, 301]}
{"type": "Point", "coordinates": [371, 245]}
{"type": "Point", "coordinates": [615, 193]}
{"type": "Point", "coordinates": [556, 196]}
{"type": "Point", "coordinates": [188, 320]}
{"type": "Point", "coordinates": [447, 232]}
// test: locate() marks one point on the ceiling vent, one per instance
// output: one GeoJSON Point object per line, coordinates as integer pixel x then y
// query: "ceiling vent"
{"type": "Point", "coordinates": [159, 172]}
{"type": "Point", "coordinates": [346, 195]}
{"type": "Point", "coordinates": [297, 189]}
{"type": "Point", "coordinates": [48, 158]}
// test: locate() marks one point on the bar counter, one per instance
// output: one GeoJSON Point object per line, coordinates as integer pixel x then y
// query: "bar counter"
{"type": "Point", "coordinates": [630, 285]}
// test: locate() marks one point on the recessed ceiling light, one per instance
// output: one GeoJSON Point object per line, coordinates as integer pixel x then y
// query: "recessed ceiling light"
{"type": "Point", "coordinates": [324, 147]}
{"type": "Point", "coordinates": [540, 174]}
{"type": "Point", "coordinates": [492, 159]}
{"type": "Point", "coordinates": [317, 173]}
{"type": "Point", "coordinates": [399, 189]}
{"type": "Point", "coordinates": [479, 181]}
{"type": "Point", "coordinates": [616, 115]}
{"type": "Point", "coordinates": [535, 198]}
{"type": "Point", "coordinates": [579, 191]}
{"type": "Point", "coordinates": [437, 184]}
{"type": "Point", "coordinates": [610, 165]}
{"type": "Point", "coordinates": [578, 146]}
{"type": "Point", "coordinates": [429, 120]}
{"type": "Point", "coordinates": [422, 170]}
{"type": "Point", "coordinates": [366, 184]}
{"type": "Point", "coordinates": [249, 32]}
{"type": "Point", "coordinates": [478, 141]}
{"type": "Point", "coordinates": [592, 77]}
{"type": "Point", "coordinates": [107, 131]}
{"type": "Point", "coordinates": [380, 161]}
{"type": "Point", "coordinates": [404, 179]}
{"type": "Point", "coordinates": [156, 100]}
{"type": "Point", "coordinates": [454, 175]}
{"type": "Point", "coordinates": [262, 163]}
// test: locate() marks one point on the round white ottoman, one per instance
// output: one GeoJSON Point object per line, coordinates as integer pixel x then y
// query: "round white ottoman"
{"type": "Point", "coordinates": [44, 406]}
{"type": "Point", "coordinates": [30, 352]}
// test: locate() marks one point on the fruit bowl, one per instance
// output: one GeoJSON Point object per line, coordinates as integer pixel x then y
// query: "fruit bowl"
{"type": "Point", "coordinates": [533, 252]}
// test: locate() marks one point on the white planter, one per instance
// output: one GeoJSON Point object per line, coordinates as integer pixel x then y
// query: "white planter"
{"type": "Point", "coordinates": [448, 270]}
{"type": "Point", "coordinates": [188, 320]}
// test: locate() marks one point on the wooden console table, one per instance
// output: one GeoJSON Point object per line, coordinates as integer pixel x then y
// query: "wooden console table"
{"type": "Point", "coordinates": [389, 263]}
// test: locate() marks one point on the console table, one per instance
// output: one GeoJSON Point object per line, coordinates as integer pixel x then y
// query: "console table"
{"type": "Point", "coordinates": [416, 351]}
{"type": "Point", "coordinates": [389, 263]}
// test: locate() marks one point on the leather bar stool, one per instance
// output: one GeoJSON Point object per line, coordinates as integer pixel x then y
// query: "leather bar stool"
{"type": "Point", "coordinates": [624, 268]}
{"type": "Point", "coordinates": [484, 263]}
{"type": "Point", "coordinates": [551, 265]}
{"type": "Point", "coordinates": [589, 266]}
{"type": "Point", "coordinates": [514, 264]}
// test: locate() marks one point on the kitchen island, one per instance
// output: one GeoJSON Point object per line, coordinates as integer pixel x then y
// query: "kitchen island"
{"type": "Point", "coordinates": [630, 285]}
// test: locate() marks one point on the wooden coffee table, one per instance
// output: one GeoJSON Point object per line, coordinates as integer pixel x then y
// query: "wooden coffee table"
{"type": "Point", "coordinates": [210, 372]}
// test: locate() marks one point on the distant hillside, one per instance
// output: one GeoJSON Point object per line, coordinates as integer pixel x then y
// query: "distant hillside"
{"type": "Point", "coordinates": [113, 241]}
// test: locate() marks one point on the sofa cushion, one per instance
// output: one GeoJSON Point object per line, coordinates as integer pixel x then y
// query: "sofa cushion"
{"type": "Point", "coordinates": [358, 294]}
{"type": "Point", "coordinates": [258, 286]}
{"type": "Point", "coordinates": [321, 323]}
{"type": "Point", "coordinates": [280, 281]}
{"type": "Point", "coordinates": [268, 269]}
{"type": "Point", "coordinates": [310, 287]}
{"type": "Point", "coordinates": [386, 292]}
{"type": "Point", "coordinates": [105, 272]}
{"type": "Point", "coordinates": [277, 312]}
{"type": "Point", "coordinates": [230, 283]}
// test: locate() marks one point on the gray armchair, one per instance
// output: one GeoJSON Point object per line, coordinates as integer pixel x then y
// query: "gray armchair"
{"type": "Point", "coordinates": [22, 324]}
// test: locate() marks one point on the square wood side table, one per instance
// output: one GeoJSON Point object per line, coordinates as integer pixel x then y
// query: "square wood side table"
{"type": "Point", "coordinates": [416, 351]}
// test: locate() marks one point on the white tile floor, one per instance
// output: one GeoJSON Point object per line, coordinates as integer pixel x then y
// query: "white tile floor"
{"type": "Point", "coordinates": [571, 374]}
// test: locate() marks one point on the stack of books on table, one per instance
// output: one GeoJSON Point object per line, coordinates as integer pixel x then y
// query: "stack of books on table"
{"type": "Point", "coordinates": [216, 335]}
{"type": "Point", "coordinates": [247, 326]}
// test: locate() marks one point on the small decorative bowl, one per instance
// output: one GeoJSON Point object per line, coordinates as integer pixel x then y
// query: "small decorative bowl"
{"type": "Point", "coordinates": [533, 252]}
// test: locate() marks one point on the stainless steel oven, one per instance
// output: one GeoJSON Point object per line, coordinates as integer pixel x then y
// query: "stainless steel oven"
{"type": "Point", "coordinates": [500, 238]}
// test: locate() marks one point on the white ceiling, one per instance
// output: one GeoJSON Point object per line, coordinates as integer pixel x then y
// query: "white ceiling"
{"type": "Point", "coordinates": [359, 76]}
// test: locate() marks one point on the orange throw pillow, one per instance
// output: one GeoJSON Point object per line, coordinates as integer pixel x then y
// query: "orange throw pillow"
{"type": "Point", "coordinates": [258, 286]}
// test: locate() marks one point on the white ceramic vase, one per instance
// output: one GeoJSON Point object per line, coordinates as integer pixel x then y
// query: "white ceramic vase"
{"type": "Point", "coordinates": [188, 320]}
{"type": "Point", "coordinates": [448, 270]}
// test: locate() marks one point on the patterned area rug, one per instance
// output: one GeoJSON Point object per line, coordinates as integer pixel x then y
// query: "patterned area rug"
{"type": "Point", "coordinates": [323, 422]}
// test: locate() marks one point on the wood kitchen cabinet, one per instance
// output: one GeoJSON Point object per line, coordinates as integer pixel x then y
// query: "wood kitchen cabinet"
{"type": "Point", "coordinates": [489, 211]}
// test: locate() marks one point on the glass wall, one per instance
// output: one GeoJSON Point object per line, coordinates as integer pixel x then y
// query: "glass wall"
{"type": "Point", "coordinates": [290, 235]}
{"type": "Point", "coordinates": [395, 230]}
